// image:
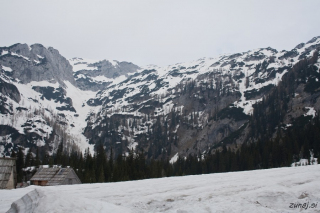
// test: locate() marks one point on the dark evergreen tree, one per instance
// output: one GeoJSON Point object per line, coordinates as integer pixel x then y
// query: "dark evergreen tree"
{"type": "Point", "coordinates": [29, 159]}
{"type": "Point", "coordinates": [37, 159]}
{"type": "Point", "coordinates": [59, 155]}
{"type": "Point", "coordinates": [20, 164]}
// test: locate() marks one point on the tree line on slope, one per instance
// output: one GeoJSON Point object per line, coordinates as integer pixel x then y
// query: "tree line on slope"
{"type": "Point", "coordinates": [270, 113]}
{"type": "Point", "coordinates": [260, 152]}
{"type": "Point", "coordinates": [282, 151]}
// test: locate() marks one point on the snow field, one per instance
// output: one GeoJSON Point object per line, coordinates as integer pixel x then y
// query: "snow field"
{"type": "Point", "coordinates": [271, 190]}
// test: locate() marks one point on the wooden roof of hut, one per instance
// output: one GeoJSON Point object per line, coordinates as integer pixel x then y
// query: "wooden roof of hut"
{"type": "Point", "coordinates": [7, 171]}
{"type": "Point", "coordinates": [56, 176]}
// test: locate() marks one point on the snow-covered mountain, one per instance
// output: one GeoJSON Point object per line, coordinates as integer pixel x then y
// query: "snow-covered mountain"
{"type": "Point", "coordinates": [166, 111]}
{"type": "Point", "coordinates": [98, 74]}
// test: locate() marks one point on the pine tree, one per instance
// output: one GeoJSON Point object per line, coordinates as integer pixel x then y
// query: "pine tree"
{"type": "Point", "coordinates": [20, 164]}
{"type": "Point", "coordinates": [101, 175]}
{"type": "Point", "coordinates": [13, 154]}
{"type": "Point", "coordinates": [58, 159]}
{"type": "Point", "coordinates": [111, 166]}
{"type": "Point", "coordinates": [29, 159]}
{"type": "Point", "coordinates": [37, 160]}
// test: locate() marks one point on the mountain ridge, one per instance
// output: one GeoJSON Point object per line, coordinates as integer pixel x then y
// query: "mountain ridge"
{"type": "Point", "coordinates": [183, 108]}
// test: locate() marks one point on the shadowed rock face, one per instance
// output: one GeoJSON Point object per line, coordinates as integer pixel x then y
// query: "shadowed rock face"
{"type": "Point", "coordinates": [36, 63]}
{"type": "Point", "coordinates": [10, 90]}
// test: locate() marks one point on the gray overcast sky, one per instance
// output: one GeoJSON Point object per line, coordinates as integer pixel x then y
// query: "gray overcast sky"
{"type": "Point", "coordinates": [160, 32]}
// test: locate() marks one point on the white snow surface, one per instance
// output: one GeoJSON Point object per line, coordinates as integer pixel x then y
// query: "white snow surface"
{"type": "Point", "coordinates": [80, 97]}
{"type": "Point", "coordinates": [271, 190]}
{"type": "Point", "coordinates": [7, 69]}
{"type": "Point", "coordinates": [4, 52]}
{"type": "Point", "coordinates": [133, 145]}
{"type": "Point", "coordinates": [21, 56]}
{"type": "Point", "coordinates": [82, 64]}
{"type": "Point", "coordinates": [174, 158]}
{"type": "Point", "coordinates": [39, 56]}
{"type": "Point", "coordinates": [113, 81]}
{"type": "Point", "coordinates": [311, 111]}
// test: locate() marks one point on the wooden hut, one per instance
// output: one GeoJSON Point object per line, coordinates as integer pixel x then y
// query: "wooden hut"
{"type": "Point", "coordinates": [55, 176]}
{"type": "Point", "coordinates": [8, 173]}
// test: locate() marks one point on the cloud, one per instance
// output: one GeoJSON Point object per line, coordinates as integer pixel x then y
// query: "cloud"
{"type": "Point", "coordinates": [158, 32]}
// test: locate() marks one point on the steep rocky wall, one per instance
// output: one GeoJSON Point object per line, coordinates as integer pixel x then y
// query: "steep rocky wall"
{"type": "Point", "coordinates": [36, 63]}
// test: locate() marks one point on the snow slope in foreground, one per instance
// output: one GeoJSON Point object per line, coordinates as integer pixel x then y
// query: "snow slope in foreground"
{"type": "Point", "coordinates": [271, 190]}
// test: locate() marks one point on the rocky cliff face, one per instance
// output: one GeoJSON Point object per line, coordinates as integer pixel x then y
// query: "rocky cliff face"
{"type": "Point", "coordinates": [35, 63]}
{"type": "Point", "coordinates": [97, 75]}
